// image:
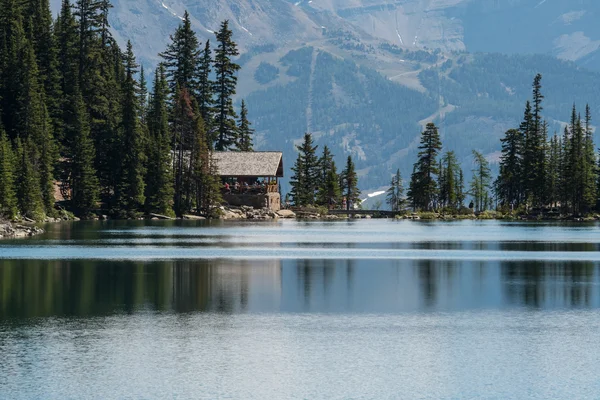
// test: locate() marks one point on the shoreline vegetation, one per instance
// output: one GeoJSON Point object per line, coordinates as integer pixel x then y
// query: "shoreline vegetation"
{"type": "Point", "coordinates": [28, 228]}
{"type": "Point", "coordinates": [322, 214]}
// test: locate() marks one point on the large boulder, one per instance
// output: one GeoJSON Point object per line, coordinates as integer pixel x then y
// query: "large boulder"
{"type": "Point", "coordinates": [194, 217]}
{"type": "Point", "coordinates": [6, 229]}
{"type": "Point", "coordinates": [286, 214]}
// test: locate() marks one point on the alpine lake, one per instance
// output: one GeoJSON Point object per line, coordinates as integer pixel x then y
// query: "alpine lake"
{"type": "Point", "coordinates": [356, 309]}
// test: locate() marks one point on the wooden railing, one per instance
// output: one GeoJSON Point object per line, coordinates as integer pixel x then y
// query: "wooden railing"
{"type": "Point", "coordinates": [255, 190]}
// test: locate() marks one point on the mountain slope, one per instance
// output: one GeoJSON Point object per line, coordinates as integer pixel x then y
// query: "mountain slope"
{"type": "Point", "coordinates": [365, 75]}
{"type": "Point", "coordinates": [354, 110]}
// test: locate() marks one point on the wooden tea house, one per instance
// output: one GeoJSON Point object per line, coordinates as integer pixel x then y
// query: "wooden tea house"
{"type": "Point", "coordinates": [250, 178]}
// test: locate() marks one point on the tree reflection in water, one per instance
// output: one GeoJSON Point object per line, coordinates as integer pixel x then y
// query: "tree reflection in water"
{"type": "Point", "coordinates": [31, 289]}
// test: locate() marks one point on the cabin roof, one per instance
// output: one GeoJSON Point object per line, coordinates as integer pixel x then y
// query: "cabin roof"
{"type": "Point", "coordinates": [255, 163]}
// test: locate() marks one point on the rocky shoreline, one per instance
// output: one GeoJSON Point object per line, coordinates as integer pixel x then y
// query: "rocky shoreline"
{"type": "Point", "coordinates": [246, 212]}
{"type": "Point", "coordinates": [27, 228]}
{"type": "Point", "coordinates": [10, 230]}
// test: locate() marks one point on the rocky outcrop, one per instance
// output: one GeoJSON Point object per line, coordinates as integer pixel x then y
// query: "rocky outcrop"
{"type": "Point", "coordinates": [246, 212]}
{"type": "Point", "coordinates": [194, 217]}
{"type": "Point", "coordinates": [8, 230]}
{"type": "Point", "coordinates": [286, 214]}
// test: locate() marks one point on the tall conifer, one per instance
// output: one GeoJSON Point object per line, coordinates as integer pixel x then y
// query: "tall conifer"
{"type": "Point", "coordinates": [395, 194]}
{"type": "Point", "coordinates": [224, 88]}
{"type": "Point", "coordinates": [29, 195]}
{"type": "Point", "coordinates": [450, 188]}
{"type": "Point", "coordinates": [325, 186]}
{"type": "Point", "coordinates": [84, 182]}
{"type": "Point", "coordinates": [8, 199]}
{"type": "Point", "coordinates": [182, 57]}
{"type": "Point", "coordinates": [589, 160]}
{"type": "Point", "coordinates": [183, 126]}
{"type": "Point", "coordinates": [509, 184]}
{"type": "Point", "coordinates": [423, 189]}
{"type": "Point", "coordinates": [130, 195]}
{"type": "Point", "coordinates": [205, 182]}
{"type": "Point", "coordinates": [481, 183]}
{"type": "Point", "coordinates": [205, 91]}
{"type": "Point", "coordinates": [350, 184]}
{"type": "Point", "coordinates": [306, 173]}
{"type": "Point", "coordinates": [553, 172]}
{"type": "Point", "coordinates": [159, 181]}
{"type": "Point", "coordinates": [245, 131]}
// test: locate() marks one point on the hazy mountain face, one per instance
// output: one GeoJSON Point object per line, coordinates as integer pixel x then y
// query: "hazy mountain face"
{"type": "Point", "coordinates": [363, 75]}
{"type": "Point", "coordinates": [564, 28]}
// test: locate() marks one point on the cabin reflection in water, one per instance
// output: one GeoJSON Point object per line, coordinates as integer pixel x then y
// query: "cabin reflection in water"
{"type": "Point", "coordinates": [250, 178]}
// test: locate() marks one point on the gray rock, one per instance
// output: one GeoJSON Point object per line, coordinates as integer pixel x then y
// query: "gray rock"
{"type": "Point", "coordinates": [286, 214]}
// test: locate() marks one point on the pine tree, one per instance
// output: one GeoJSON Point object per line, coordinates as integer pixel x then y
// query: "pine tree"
{"type": "Point", "coordinates": [159, 181]}
{"type": "Point", "coordinates": [306, 173]}
{"type": "Point", "coordinates": [589, 168]}
{"type": "Point", "coordinates": [47, 159]}
{"type": "Point", "coordinates": [460, 190]}
{"type": "Point", "coordinates": [528, 152]}
{"type": "Point", "coordinates": [183, 126]}
{"type": "Point", "coordinates": [182, 58]}
{"type": "Point", "coordinates": [481, 183]}
{"type": "Point", "coordinates": [84, 182]}
{"type": "Point", "coordinates": [206, 183]}
{"type": "Point", "coordinates": [11, 82]}
{"type": "Point", "coordinates": [553, 173]}
{"type": "Point", "coordinates": [104, 7]}
{"type": "Point", "coordinates": [68, 72]}
{"type": "Point", "coordinates": [46, 51]}
{"type": "Point", "coordinates": [34, 123]}
{"type": "Point", "coordinates": [107, 119]}
{"type": "Point", "coordinates": [130, 195]}
{"type": "Point", "coordinates": [143, 97]}
{"type": "Point", "coordinates": [205, 91]}
{"type": "Point", "coordinates": [413, 195]}
{"type": "Point", "coordinates": [534, 156]}
{"type": "Point", "coordinates": [566, 184]}
{"type": "Point", "coordinates": [224, 88]}
{"type": "Point", "coordinates": [423, 190]}
{"type": "Point", "coordinates": [509, 189]}
{"type": "Point", "coordinates": [450, 188]}
{"type": "Point", "coordinates": [330, 192]}
{"type": "Point", "coordinates": [442, 198]}
{"type": "Point", "coordinates": [325, 165]}
{"type": "Point", "coordinates": [29, 196]}
{"type": "Point", "coordinates": [395, 194]}
{"type": "Point", "coordinates": [8, 200]}
{"type": "Point", "coordinates": [88, 13]}
{"type": "Point", "coordinates": [245, 131]}
{"type": "Point", "coordinates": [350, 188]}
{"type": "Point", "coordinates": [577, 165]}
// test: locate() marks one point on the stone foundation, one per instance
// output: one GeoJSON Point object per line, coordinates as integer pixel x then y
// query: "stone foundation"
{"type": "Point", "coordinates": [271, 201]}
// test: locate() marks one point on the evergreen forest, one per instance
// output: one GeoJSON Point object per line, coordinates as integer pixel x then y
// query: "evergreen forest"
{"type": "Point", "coordinates": [78, 122]}
{"type": "Point", "coordinates": [316, 181]}
{"type": "Point", "coordinates": [539, 174]}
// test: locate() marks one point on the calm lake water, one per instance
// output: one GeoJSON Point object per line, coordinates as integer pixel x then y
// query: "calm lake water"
{"type": "Point", "coordinates": [305, 310]}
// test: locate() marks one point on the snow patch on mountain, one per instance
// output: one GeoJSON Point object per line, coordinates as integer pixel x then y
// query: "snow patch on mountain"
{"type": "Point", "coordinates": [171, 11]}
{"type": "Point", "coordinates": [379, 193]}
{"type": "Point", "coordinates": [574, 46]}
{"type": "Point", "coordinates": [573, 16]}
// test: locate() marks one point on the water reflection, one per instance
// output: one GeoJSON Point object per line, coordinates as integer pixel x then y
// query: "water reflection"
{"type": "Point", "coordinates": [560, 284]}
{"type": "Point", "coordinates": [88, 288]}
